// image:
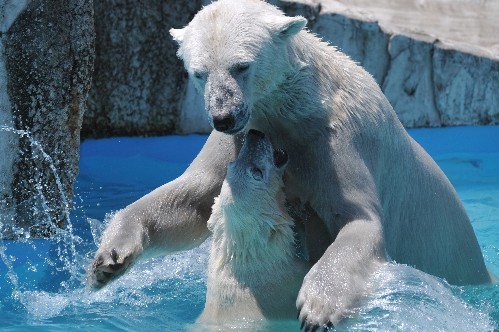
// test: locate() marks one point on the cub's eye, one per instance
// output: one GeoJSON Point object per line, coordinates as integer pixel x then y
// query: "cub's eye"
{"type": "Point", "coordinates": [241, 68]}
{"type": "Point", "coordinates": [256, 173]}
{"type": "Point", "coordinates": [280, 158]}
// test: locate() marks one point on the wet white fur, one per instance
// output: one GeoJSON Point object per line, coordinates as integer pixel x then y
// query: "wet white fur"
{"type": "Point", "coordinates": [253, 269]}
{"type": "Point", "coordinates": [367, 192]}
{"type": "Point", "coordinates": [353, 166]}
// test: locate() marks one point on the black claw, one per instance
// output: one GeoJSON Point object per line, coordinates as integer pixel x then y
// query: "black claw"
{"type": "Point", "coordinates": [115, 267]}
{"type": "Point", "coordinates": [328, 326]}
{"type": "Point", "coordinates": [302, 323]}
{"type": "Point", "coordinates": [314, 328]}
{"type": "Point", "coordinates": [114, 255]}
{"type": "Point", "coordinates": [98, 262]}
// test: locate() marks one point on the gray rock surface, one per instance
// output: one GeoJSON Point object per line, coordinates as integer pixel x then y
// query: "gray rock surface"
{"type": "Point", "coordinates": [139, 83]}
{"type": "Point", "coordinates": [9, 10]}
{"type": "Point", "coordinates": [466, 87]}
{"type": "Point", "coordinates": [47, 52]}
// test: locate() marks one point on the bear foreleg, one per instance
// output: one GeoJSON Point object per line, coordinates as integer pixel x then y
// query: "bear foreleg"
{"type": "Point", "coordinates": [170, 219]}
{"type": "Point", "coordinates": [339, 279]}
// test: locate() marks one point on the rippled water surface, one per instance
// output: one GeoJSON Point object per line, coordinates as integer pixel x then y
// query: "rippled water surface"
{"type": "Point", "coordinates": [41, 281]}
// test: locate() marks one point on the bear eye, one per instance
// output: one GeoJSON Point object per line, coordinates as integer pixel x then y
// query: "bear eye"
{"type": "Point", "coordinates": [241, 68]}
{"type": "Point", "coordinates": [256, 173]}
{"type": "Point", "coordinates": [199, 75]}
{"type": "Point", "coordinates": [280, 158]}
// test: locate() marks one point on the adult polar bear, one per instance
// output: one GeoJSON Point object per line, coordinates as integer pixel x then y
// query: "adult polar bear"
{"type": "Point", "coordinates": [367, 191]}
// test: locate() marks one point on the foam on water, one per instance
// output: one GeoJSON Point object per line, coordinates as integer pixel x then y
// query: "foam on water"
{"type": "Point", "coordinates": [162, 284]}
{"type": "Point", "coordinates": [406, 299]}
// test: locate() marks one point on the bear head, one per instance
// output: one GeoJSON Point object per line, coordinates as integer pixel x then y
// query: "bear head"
{"type": "Point", "coordinates": [236, 54]}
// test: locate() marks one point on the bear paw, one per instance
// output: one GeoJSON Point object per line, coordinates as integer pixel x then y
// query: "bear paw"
{"type": "Point", "coordinates": [323, 301]}
{"type": "Point", "coordinates": [314, 312]}
{"type": "Point", "coordinates": [107, 266]}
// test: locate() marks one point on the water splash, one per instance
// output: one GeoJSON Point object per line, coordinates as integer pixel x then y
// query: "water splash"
{"type": "Point", "coordinates": [407, 299]}
{"type": "Point", "coordinates": [37, 153]}
{"type": "Point", "coordinates": [36, 146]}
{"type": "Point", "coordinates": [11, 274]}
{"type": "Point", "coordinates": [166, 287]}
{"type": "Point", "coordinates": [42, 263]}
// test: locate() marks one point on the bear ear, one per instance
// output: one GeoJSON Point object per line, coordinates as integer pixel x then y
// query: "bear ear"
{"type": "Point", "coordinates": [177, 34]}
{"type": "Point", "coordinates": [286, 27]}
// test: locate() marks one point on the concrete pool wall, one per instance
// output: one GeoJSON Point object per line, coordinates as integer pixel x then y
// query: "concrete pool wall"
{"type": "Point", "coordinates": [436, 61]}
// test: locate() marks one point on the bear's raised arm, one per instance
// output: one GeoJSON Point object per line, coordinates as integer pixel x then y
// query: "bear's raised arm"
{"type": "Point", "coordinates": [171, 218]}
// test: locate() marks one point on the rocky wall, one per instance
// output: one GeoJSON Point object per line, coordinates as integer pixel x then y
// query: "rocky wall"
{"type": "Point", "coordinates": [139, 83]}
{"type": "Point", "coordinates": [47, 53]}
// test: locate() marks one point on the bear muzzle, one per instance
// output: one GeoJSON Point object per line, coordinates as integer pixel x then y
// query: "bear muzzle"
{"type": "Point", "coordinates": [223, 123]}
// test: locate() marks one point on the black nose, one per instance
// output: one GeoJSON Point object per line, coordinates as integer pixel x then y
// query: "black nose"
{"type": "Point", "coordinates": [223, 122]}
{"type": "Point", "coordinates": [257, 133]}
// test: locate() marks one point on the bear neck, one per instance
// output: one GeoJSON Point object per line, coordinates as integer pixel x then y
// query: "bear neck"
{"type": "Point", "coordinates": [317, 77]}
{"type": "Point", "coordinates": [251, 239]}
{"type": "Point", "coordinates": [298, 94]}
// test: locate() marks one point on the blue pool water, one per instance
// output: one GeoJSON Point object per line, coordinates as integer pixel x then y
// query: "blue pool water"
{"type": "Point", "coordinates": [42, 281]}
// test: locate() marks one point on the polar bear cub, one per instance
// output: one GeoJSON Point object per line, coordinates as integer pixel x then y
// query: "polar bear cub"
{"type": "Point", "coordinates": [253, 269]}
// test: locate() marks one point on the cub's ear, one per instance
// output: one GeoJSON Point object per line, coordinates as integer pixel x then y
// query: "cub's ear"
{"type": "Point", "coordinates": [178, 35]}
{"type": "Point", "coordinates": [286, 27]}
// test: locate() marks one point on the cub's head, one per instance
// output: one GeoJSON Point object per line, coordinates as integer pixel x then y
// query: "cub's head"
{"type": "Point", "coordinates": [249, 221]}
{"type": "Point", "coordinates": [236, 53]}
{"type": "Point", "coordinates": [257, 172]}
{"type": "Point", "coordinates": [251, 201]}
